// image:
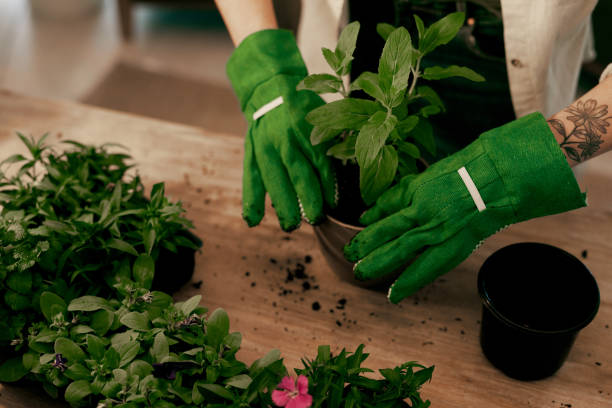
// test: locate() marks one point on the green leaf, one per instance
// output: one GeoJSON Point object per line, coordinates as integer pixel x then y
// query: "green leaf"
{"type": "Point", "coordinates": [347, 113]}
{"type": "Point", "coordinates": [95, 347]}
{"type": "Point", "coordinates": [406, 164]}
{"type": "Point", "coordinates": [217, 327]}
{"type": "Point", "coordinates": [157, 194]}
{"type": "Point", "coordinates": [394, 66]}
{"type": "Point", "coordinates": [410, 149]}
{"type": "Point", "coordinates": [160, 349]}
{"type": "Point", "coordinates": [12, 370]}
{"type": "Point", "coordinates": [423, 133]}
{"type": "Point", "coordinates": [323, 353]}
{"type": "Point", "coordinates": [128, 352]}
{"type": "Point", "coordinates": [372, 138]}
{"type": "Point", "coordinates": [78, 372]}
{"type": "Point", "coordinates": [88, 304]}
{"type": "Point", "coordinates": [51, 305]}
{"type": "Point", "coordinates": [140, 368]}
{"type": "Point", "coordinates": [69, 349]}
{"type": "Point", "coordinates": [435, 73]}
{"type": "Point", "coordinates": [101, 321]}
{"type": "Point", "coordinates": [29, 142]}
{"type": "Point", "coordinates": [30, 359]}
{"type": "Point", "coordinates": [51, 390]}
{"type": "Point", "coordinates": [148, 238]}
{"type": "Point", "coordinates": [320, 83]}
{"type": "Point", "coordinates": [16, 301]}
{"type": "Point", "coordinates": [144, 271]}
{"type": "Point", "coordinates": [161, 300]}
{"type": "Point", "coordinates": [441, 32]}
{"type": "Point", "coordinates": [217, 390]}
{"type": "Point", "coordinates": [58, 226]}
{"type": "Point", "coordinates": [13, 159]}
{"type": "Point", "coordinates": [120, 376]}
{"type": "Point", "coordinates": [258, 365]}
{"type": "Point", "coordinates": [429, 110]}
{"type": "Point", "coordinates": [384, 30]}
{"type": "Point", "coordinates": [121, 246]}
{"type": "Point", "coordinates": [241, 381]}
{"type": "Point", "coordinates": [420, 27]}
{"type": "Point", "coordinates": [378, 176]}
{"type": "Point", "coordinates": [430, 96]}
{"type": "Point", "coordinates": [80, 329]}
{"type": "Point", "coordinates": [346, 45]}
{"type": "Point", "coordinates": [190, 304]}
{"type": "Point", "coordinates": [111, 358]}
{"type": "Point", "coordinates": [345, 150]}
{"type": "Point", "coordinates": [20, 282]}
{"type": "Point", "coordinates": [406, 125]}
{"type": "Point", "coordinates": [369, 83]}
{"type": "Point", "coordinates": [322, 135]}
{"type": "Point", "coordinates": [136, 321]}
{"type": "Point", "coordinates": [331, 59]}
{"type": "Point", "coordinates": [76, 391]}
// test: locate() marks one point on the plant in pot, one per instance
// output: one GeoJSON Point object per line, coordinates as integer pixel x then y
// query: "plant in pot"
{"type": "Point", "coordinates": [376, 140]}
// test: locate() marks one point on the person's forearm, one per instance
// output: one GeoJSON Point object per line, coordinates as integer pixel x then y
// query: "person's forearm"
{"type": "Point", "coordinates": [584, 129]}
{"type": "Point", "coordinates": [244, 17]}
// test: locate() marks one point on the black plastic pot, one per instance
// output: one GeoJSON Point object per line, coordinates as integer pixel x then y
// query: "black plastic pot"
{"type": "Point", "coordinates": [175, 269]}
{"type": "Point", "coordinates": [536, 298]}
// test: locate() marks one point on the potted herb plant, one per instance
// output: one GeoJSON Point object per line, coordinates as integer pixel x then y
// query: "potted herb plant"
{"type": "Point", "coordinates": [377, 140]}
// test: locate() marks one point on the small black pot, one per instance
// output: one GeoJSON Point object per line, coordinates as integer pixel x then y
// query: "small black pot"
{"type": "Point", "coordinates": [175, 269]}
{"type": "Point", "coordinates": [536, 298]}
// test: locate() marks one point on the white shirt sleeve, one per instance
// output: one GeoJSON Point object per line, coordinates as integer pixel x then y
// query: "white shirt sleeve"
{"type": "Point", "coordinates": [606, 73]}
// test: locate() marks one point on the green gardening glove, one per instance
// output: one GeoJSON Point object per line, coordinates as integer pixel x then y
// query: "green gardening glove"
{"type": "Point", "coordinates": [438, 218]}
{"type": "Point", "coordinates": [278, 156]}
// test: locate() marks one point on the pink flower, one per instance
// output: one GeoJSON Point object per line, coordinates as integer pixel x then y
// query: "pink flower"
{"type": "Point", "coordinates": [292, 394]}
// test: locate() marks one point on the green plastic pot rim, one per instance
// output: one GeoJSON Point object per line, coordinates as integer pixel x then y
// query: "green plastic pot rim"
{"type": "Point", "coordinates": [487, 302]}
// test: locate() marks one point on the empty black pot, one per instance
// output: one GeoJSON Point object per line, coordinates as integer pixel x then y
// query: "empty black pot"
{"type": "Point", "coordinates": [536, 298]}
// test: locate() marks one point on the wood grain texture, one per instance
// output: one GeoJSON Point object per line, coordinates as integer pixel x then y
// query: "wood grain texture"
{"type": "Point", "coordinates": [439, 325]}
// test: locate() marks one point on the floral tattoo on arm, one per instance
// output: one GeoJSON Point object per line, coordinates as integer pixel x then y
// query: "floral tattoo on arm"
{"type": "Point", "coordinates": [590, 123]}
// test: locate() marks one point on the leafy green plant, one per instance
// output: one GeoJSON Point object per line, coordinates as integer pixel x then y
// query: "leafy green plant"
{"type": "Point", "coordinates": [338, 381]}
{"type": "Point", "coordinates": [384, 135]}
{"type": "Point", "coordinates": [78, 249]}
{"type": "Point", "coordinates": [69, 220]}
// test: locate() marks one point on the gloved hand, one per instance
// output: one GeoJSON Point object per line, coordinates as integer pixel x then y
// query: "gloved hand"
{"type": "Point", "coordinates": [278, 155]}
{"type": "Point", "coordinates": [439, 217]}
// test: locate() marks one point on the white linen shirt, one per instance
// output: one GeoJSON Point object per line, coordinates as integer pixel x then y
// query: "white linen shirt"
{"type": "Point", "coordinates": [546, 42]}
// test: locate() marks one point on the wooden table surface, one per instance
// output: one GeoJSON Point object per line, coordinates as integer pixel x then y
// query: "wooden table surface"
{"type": "Point", "coordinates": [243, 270]}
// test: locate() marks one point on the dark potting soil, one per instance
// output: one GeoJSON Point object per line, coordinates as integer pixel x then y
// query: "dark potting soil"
{"type": "Point", "coordinates": [350, 204]}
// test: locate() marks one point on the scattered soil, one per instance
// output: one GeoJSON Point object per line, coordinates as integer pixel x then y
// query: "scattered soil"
{"type": "Point", "coordinates": [294, 282]}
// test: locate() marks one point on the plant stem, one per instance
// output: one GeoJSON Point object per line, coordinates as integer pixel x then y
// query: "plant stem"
{"type": "Point", "coordinates": [343, 91]}
{"type": "Point", "coordinates": [415, 76]}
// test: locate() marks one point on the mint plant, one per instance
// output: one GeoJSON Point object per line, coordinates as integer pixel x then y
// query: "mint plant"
{"type": "Point", "coordinates": [384, 135]}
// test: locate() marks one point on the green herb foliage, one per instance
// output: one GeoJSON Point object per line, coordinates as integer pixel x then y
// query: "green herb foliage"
{"type": "Point", "coordinates": [386, 136]}
{"type": "Point", "coordinates": [69, 221]}
{"type": "Point", "coordinates": [338, 381]}
{"type": "Point", "coordinates": [78, 247]}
